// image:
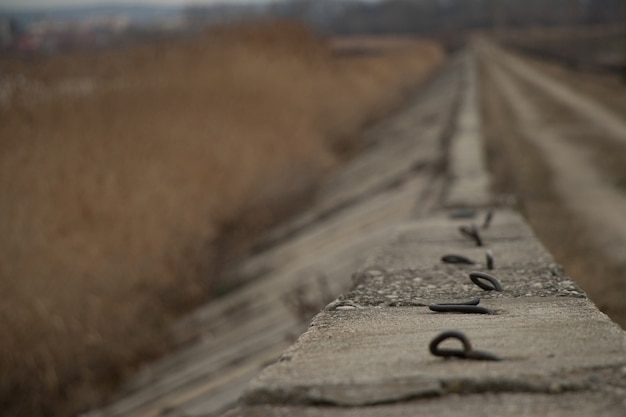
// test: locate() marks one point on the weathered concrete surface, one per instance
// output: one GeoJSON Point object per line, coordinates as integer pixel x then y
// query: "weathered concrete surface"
{"type": "Point", "coordinates": [469, 182]}
{"type": "Point", "coordinates": [408, 270]}
{"type": "Point", "coordinates": [411, 144]}
{"type": "Point", "coordinates": [380, 355]}
{"type": "Point", "coordinates": [519, 405]}
{"type": "Point", "coordinates": [367, 350]}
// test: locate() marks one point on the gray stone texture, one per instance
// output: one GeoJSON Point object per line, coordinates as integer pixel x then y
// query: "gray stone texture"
{"type": "Point", "coordinates": [371, 345]}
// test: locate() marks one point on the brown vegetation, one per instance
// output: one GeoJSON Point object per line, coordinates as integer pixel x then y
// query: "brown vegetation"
{"type": "Point", "coordinates": [118, 171]}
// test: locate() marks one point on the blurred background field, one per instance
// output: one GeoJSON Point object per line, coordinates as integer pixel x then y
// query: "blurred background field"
{"type": "Point", "coordinates": [138, 158]}
{"type": "Point", "coordinates": [125, 174]}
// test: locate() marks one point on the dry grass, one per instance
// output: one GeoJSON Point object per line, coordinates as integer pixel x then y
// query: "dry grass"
{"type": "Point", "coordinates": [119, 169]}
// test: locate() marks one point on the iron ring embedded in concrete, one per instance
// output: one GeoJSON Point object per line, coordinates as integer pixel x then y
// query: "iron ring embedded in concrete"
{"type": "Point", "coordinates": [456, 259]}
{"type": "Point", "coordinates": [472, 302]}
{"type": "Point", "coordinates": [451, 308]}
{"type": "Point", "coordinates": [472, 233]}
{"type": "Point", "coordinates": [476, 278]}
{"type": "Point", "coordinates": [468, 307]}
{"type": "Point", "coordinates": [466, 353]}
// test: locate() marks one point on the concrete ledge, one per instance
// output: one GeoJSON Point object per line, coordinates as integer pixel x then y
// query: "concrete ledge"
{"type": "Point", "coordinates": [519, 405]}
{"type": "Point", "coordinates": [380, 355]}
{"type": "Point", "coordinates": [370, 347]}
{"type": "Point", "coordinates": [469, 181]}
{"type": "Point", "coordinates": [408, 269]}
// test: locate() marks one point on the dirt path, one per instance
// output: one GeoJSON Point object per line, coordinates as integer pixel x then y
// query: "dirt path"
{"type": "Point", "coordinates": [567, 136]}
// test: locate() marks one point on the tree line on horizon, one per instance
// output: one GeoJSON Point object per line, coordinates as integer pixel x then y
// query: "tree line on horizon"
{"type": "Point", "coordinates": [421, 17]}
{"type": "Point", "coordinates": [435, 16]}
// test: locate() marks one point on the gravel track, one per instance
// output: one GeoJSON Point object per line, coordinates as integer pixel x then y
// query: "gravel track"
{"type": "Point", "coordinates": [581, 184]}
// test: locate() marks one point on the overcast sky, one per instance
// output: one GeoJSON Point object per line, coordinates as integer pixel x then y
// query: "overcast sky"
{"type": "Point", "coordinates": [39, 4]}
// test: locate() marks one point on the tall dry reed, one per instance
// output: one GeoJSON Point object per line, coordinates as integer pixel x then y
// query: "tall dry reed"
{"type": "Point", "coordinates": [118, 169]}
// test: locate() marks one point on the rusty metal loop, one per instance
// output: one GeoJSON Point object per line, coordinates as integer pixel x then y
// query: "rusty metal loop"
{"type": "Point", "coordinates": [489, 257]}
{"type": "Point", "coordinates": [471, 233]}
{"type": "Point", "coordinates": [446, 353]}
{"type": "Point", "coordinates": [456, 259]}
{"type": "Point", "coordinates": [466, 353]}
{"type": "Point", "coordinates": [477, 278]}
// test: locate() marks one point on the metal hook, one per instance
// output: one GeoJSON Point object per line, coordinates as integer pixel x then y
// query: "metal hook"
{"type": "Point", "coordinates": [466, 353]}
{"type": "Point", "coordinates": [472, 302]}
{"type": "Point", "coordinates": [443, 308]}
{"type": "Point", "coordinates": [457, 259]}
{"type": "Point", "coordinates": [488, 219]}
{"type": "Point", "coordinates": [489, 256]}
{"type": "Point", "coordinates": [468, 307]}
{"type": "Point", "coordinates": [472, 233]}
{"type": "Point", "coordinates": [476, 278]}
